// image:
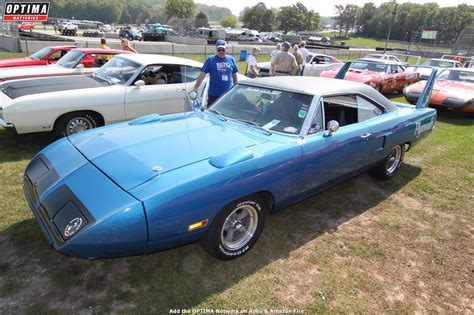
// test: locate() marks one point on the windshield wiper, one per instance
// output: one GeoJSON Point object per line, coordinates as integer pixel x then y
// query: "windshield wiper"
{"type": "Point", "coordinates": [222, 117]}
{"type": "Point", "coordinates": [256, 125]}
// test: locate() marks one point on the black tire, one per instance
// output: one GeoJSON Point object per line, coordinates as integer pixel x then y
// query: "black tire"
{"type": "Point", "coordinates": [219, 243]}
{"type": "Point", "coordinates": [72, 123]}
{"type": "Point", "coordinates": [390, 165]}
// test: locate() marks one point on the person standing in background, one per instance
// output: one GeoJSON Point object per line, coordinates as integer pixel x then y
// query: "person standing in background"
{"type": "Point", "coordinates": [304, 51]}
{"type": "Point", "coordinates": [299, 59]}
{"type": "Point", "coordinates": [222, 71]}
{"type": "Point", "coordinates": [274, 53]}
{"type": "Point", "coordinates": [252, 69]}
{"type": "Point", "coordinates": [126, 45]}
{"type": "Point", "coordinates": [284, 63]}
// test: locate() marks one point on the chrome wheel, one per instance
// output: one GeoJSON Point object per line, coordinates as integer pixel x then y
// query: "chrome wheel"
{"type": "Point", "coordinates": [78, 124]}
{"type": "Point", "coordinates": [394, 159]}
{"type": "Point", "coordinates": [239, 227]}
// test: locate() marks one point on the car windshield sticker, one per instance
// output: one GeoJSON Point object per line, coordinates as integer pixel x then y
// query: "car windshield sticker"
{"type": "Point", "coordinates": [290, 129]}
{"type": "Point", "coordinates": [271, 124]}
{"type": "Point", "coordinates": [302, 113]}
{"type": "Point", "coordinates": [263, 91]}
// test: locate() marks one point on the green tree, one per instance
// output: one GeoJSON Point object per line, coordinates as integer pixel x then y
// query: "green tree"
{"type": "Point", "coordinates": [229, 21]}
{"type": "Point", "coordinates": [346, 17]}
{"type": "Point", "coordinates": [258, 17]}
{"type": "Point", "coordinates": [201, 20]}
{"type": "Point", "coordinates": [297, 18]}
{"type": "Point", "coordinates": [182, 9]}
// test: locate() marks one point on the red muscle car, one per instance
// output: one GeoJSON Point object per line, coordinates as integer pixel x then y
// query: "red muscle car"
{"type": "Point", "coordinates": [383, 75]}
{"type": "Point", "coordinates": [76, 61]}
{"type": "Point", "coordinates": [26, 26]}
{"type": "Point", "coordinates": [453, 89]}
{"type": "Point", "coordinates": [42, 57]}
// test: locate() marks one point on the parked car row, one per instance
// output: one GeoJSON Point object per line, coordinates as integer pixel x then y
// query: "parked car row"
{"type": "Point", "coordinates": [170, 171]}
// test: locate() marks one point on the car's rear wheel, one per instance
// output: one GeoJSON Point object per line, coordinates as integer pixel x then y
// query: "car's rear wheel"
{"type": "Point", "coordinates": [73, 123]}
{"type": "Point", "coordinates": [390, 165]}
{"type": "Point", "coordinates": [236, 228]}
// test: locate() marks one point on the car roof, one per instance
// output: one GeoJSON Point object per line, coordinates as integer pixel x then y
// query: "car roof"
{"type": "Point", "coordinates": [439, 59]}
{"type": "Point", "coordinates": [101, 50]}
{"type": "Point", "coordinates": [460, 69]}
{"type": "Point", "coordinates": [320, 86]}
{"type": "Point", "coordinates": [146, 59]}
{"type": "Point", "coordinates": [384, 61]}
{"type": "Point", "coordinates": [62, 46]}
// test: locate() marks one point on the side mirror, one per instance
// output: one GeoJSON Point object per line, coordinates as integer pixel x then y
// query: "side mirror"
{"type": "Point", "coordinates": [80, 67]}
{"type": "Point", "coordinates": [139, 83]}
{"type": "Point", "coordinates": [333, 126]}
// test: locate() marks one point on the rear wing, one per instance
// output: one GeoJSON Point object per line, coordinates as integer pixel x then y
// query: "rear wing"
{"type": "Point", "coordinates": [342, 72]}
{"type": "Point", "coordinates": [424, 99]}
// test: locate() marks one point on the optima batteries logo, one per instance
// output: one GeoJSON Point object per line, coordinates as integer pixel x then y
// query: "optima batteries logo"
{"type": "Point", "coordinates": [25, 11]}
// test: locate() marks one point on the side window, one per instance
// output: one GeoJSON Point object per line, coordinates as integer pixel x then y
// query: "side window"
{"type": "Point", "coordinates": [400, 69]}
{"type": "Point", "coordinates": [366, 109]}
{"type": "Point", "coordinates": [349, 109]}
{"type": "Point", "coordinates": [393, 69]}
{"type": "Point", "coordinates": [56, 56]}
{"type": "Point", "coordinates": [189, 74]}
{"type": "Point", "coordinates": [317, 124]}
{"type": "Point", "coordinates": [327, 59]}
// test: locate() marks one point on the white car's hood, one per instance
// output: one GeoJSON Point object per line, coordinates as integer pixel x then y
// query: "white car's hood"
{"type": "Point", "coordinates": [18, 88]}
{"type": "Point", "coordinates": [22, 72]}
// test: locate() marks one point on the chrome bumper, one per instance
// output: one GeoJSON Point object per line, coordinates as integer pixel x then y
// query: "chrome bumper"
{"type": "Point", "coordinates": [6, 125]}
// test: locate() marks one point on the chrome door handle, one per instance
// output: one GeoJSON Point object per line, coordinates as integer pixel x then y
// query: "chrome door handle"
{"type": "Point", "coordinates": [180, 90]}
{"type": "Point", "coordinates": [366, 136]}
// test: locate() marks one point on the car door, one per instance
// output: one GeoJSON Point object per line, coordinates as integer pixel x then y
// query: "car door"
{"type": "Point", "coordinates": [357, 144]}
{"type": "Point", "coordinates": [164, 96]}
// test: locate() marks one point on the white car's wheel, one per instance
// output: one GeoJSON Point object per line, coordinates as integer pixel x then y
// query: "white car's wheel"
{"type": "Point", "coordinates": [236, 228]}
{"type": "Point", "coordinates": [73, 123]}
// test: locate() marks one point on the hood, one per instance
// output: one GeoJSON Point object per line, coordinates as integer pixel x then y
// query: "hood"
{"type": "Point", "coordinates": [447, 86]}
{"type": "Point", "coordinates": [33, 71]}
{"type": "Point", "coordinates": [263, 65]}
{"type": "Point", "coordinates": [133, 154]}
{"type": "Point", "coordinates": [362, 76]}
{"type": "Point", "coordinates": [18, 62]}
{"type": "Point", "coordinates": [20, 88]}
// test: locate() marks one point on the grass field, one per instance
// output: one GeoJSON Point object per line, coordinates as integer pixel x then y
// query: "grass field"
{"type": "Point", "coordinates": [363, 246]}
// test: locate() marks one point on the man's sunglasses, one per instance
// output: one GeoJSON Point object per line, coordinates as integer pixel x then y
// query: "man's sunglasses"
{"type": "Point", "coordinates": [221, 49]}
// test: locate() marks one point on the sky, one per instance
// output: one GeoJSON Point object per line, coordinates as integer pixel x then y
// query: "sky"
{"type": "Point", "coordinates": [326, 9]}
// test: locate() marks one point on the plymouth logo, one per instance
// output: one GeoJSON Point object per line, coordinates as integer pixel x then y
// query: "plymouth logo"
{"type": "Point", "coordinates": [72, 227]}
{"type": "Point", "coordinates": [419, 129]}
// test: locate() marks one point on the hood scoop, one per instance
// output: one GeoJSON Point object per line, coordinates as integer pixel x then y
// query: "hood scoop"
{"type": "Point", "coordinates": [231, 158]}
{"type": "Point", "coordinates": [145, 119]}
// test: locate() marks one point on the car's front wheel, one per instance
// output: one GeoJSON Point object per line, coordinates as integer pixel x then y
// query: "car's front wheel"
{"type": "Point", "coordinates": [73, 123]}
{"type": "Point", "coordinates": [389, 166]}
{"type": "Point", "coordinates": [236, 228]}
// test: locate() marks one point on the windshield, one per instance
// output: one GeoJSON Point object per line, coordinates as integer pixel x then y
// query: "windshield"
{"type": "Point", "coordinates": [370, 66]}
{"type": "Point", "coordinates": [71, 59]}
{"type": "Point", "coordinates": [40, 54]}
{"type": "Point", "coordinates": [274, 110]}
{"type": "Point", "coordinates": [456, 75]}
{"type": "Point", "coordinates": [439, 63]}
{"type": "Point", "coordinates": [117, 70]}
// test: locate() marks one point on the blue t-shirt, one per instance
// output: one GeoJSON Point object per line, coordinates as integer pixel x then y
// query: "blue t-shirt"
{"type": "Point", "coordinates": [220, 73]}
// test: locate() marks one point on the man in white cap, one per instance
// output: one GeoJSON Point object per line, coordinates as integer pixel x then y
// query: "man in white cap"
{"type": "Point", "coordinates": [222, 71]}
{"type": "Point", "coordinates": [284, 63]}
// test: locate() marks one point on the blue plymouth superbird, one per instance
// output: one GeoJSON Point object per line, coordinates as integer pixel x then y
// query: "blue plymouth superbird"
{"type": "Point", "coordinates": [162, 181]}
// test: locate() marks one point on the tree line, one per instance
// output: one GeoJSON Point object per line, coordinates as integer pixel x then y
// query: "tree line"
{"type": "Point", "coordinates": [409, 20]}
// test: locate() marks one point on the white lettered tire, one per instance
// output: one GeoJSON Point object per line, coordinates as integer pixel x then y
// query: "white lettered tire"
{"type": "Point", "coordinates": [236, 228]}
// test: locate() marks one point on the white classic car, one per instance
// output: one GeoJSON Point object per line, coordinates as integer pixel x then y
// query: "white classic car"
{"type": "Point", "coordinates": [126, 87]}
{"type": "Point", "coordinates": [316, 64]}
{"type": "Point", "coordinates": [75, 62]}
